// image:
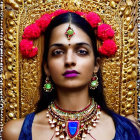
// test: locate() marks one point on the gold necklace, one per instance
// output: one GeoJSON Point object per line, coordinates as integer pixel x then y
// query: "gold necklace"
{"type": "Point", "coordinates": [73, 124]}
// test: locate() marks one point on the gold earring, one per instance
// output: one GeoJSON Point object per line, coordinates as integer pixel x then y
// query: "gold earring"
{"type": "Point", "coordinates": [48, 85]}
{"type": "Point", "coordinates": [94, 82]}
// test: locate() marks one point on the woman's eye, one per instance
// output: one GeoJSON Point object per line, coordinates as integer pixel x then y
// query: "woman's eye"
{"type": "Point", "coordinates": [82, 52]}
{"type": "Point", "coordinates": [57, 52]}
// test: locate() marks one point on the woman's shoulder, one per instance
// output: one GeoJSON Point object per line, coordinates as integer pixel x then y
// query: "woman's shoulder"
{"type": "Point", "coordinates": [134, 121]}
{"type": "Point", "coordinates": [12, 129]}
{"type": "Point", "coordinates": [125, 127]}
{"type": "Point", "coordinates": [122, 120]}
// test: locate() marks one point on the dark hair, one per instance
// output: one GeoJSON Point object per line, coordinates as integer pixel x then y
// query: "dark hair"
{"type": "Point", "coordinates": [46, 98]}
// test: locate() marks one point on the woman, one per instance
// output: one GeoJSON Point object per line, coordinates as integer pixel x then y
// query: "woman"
{"type": "Point", "coordinates": [70, 108]}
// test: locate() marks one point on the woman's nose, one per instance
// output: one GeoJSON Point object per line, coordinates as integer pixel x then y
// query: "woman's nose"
{"type": "Point", "coordinates": [70, 59]}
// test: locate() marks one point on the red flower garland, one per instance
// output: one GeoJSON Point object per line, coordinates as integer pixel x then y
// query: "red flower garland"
{"type": "Point", "coordinates": [43, 22]}
{"type": "Point", "coordinates": [33, 31]}
{"type": "Point", "coordinates": [26, 48]}
{"type": "Point", "coordinates": [80, 13]}
{"type": "Point", "coordinates": [93, 19]}
{"type": "Point", "coordinates": [108, 48]}
{"type": "Point", "coordinates": [105, 32]}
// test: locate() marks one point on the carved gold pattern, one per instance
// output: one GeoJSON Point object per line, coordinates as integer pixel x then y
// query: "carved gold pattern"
{"type": "Point", "coordinates": [138, 76]}
{"type": "Point", "coordinates": [22, 76]}
{"type": "Point", "coordinates": [1, 71]}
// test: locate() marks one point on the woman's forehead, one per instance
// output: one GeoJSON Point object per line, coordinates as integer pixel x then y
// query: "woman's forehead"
{"type": "Point", "coordinates": [58, 35]}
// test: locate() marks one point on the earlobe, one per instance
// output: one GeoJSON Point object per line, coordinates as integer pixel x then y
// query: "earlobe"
{"type": "Point", "coordinates": [97, 65]}
{"type": "Point", "coordinates": [96, 69]}
{"type": "Point", "coordinates": [46, 69]}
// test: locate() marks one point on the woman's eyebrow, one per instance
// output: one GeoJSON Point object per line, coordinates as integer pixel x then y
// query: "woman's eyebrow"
{"type": "Point", "coordinates": [62, 45]}
{"type": "Point", "coordinates": [83, 43]}
{"type": "Point", "coordinates": [56, 45]}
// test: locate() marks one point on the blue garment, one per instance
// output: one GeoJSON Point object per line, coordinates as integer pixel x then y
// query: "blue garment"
{"type": "Point", "coordinates": [26, 130]}
{"type": "Point", "coordinates": [125, 130]}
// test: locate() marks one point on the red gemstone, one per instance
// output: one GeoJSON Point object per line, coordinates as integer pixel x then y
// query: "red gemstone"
{"type": "Point", "coordinates": [98, 107]}
{"type": "Point", "coordinates": [82, 125]}
{"type": "Point", "coordinates": [93, 78]}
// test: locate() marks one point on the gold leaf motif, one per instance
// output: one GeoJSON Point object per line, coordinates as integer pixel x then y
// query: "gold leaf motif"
{"type": "Point", "coordinates": [130, 93]}
{"type": "Point", "coordinates": [130, 27]}
{"type": "Point", "coordinates": [128, 112]}
{"type": "Point", "coordinates": [10, 30]}
{"type": "Point", "coordinates": [19, 1]}
{"type": "Point", "coordinates": [11, 114]}
{"type": "Point", "coordinates": [131, 85]}
{"type": "Point", "coordinates": [10, 93]}
{"type": "Point", "coordinates": [12, 4]}
{"type": "Point", "coordinates": [113, 4]}
{"type": "Point", "coordinates": [29, 1]}
{"type": "Point", "coordinates": [129, 2]}
{"type": "Point", "coordinates": [11, 22]}
{"type": "Point", "coordinates": [117, 1]}
{"type": "Point", "coordinates": [132, 53]}
{"type": "Point", "coordinates": [122, 8]}
{"type": "Point", "coordinates": [10, 37]}
{"type": "Point", "coordinates": [10, 67]}
{"type": "Point", "coordinates": [11, 14]}
{"type": "Point", "coordinates": [127, 11]}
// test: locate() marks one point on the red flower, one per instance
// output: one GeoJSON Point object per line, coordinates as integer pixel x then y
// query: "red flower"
{"type": "Point", "coordinates": [93, 19]}
{"type": "Point", "coordinates": [105, 32]}
{"type": "Point", "coordinates": [43, 22]}
{"type": "Point", "coordinates": [31, 32]}
{"type": "Point", "coordinates": [108, 48]}
{"type": "Point", "coordinates": [58, 12]}
{"type": "Point", "coordinates": [80, 13]}
{"type": "Point", "coordinates": [33, 52]}
{"type": "Point", "coordinates": [25, 44]}
{"type": "Point", "coordinates": [26, 48]}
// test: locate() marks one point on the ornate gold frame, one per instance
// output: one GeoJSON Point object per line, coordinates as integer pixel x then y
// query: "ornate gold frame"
{"type": "Point", "coordinates": [20, 78]}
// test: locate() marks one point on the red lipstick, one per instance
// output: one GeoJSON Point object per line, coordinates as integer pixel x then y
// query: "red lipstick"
{"type": "Point", "coordinates": [70, 73]}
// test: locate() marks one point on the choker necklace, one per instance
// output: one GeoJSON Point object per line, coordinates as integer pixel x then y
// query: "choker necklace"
{"type": "Point", "coordinates": [73, 124]}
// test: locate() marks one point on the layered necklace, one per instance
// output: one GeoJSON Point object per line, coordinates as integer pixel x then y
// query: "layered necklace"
{"type": "Point", "coordinates": [73, 125]}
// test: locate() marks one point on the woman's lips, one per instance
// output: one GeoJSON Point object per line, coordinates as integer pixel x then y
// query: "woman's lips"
{"type": "Point", "coordinates": [70, 73]}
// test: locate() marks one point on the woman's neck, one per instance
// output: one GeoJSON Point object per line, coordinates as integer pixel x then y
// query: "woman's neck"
{"type": "Point", "coordinates": [73, 100]}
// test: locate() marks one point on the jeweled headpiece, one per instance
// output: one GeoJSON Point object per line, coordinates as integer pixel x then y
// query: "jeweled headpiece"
{"type": "Point", "coordinates": [33, 31]}
{"type": "Point", "coordinates": [69, 32]}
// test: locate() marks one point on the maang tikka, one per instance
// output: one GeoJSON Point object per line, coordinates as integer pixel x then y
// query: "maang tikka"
{"type": "Point", "coordinates": [69, 32]}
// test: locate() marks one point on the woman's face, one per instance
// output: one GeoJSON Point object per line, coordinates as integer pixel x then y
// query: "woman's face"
{"type": "Point", "coordinates": [70, 62]}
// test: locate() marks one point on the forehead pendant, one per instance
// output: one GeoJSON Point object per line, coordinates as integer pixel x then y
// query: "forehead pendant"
{"type": "Point", "coordinates": [69, 32]}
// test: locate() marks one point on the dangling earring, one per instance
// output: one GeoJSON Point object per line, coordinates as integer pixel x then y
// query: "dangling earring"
{"type": "Point", "coordinates": [48, 85]}
{"type": "Point", "coordinates": [94, 82]}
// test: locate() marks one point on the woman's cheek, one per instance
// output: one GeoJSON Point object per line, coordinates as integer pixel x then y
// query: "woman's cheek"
{"type": "Point", "coordinates": [55, 68]}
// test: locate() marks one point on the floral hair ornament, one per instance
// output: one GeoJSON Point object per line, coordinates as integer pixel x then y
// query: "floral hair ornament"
{"type": "Point", "coordinates": [33, 31]}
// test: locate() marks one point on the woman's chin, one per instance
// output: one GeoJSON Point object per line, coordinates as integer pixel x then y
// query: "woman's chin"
{"type": "Point", "coordinates": [73, 86]}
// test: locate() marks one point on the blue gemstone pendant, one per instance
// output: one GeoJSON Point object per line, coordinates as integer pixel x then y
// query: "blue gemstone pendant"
{"type": "Point", "coordinates": [72, 128]}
